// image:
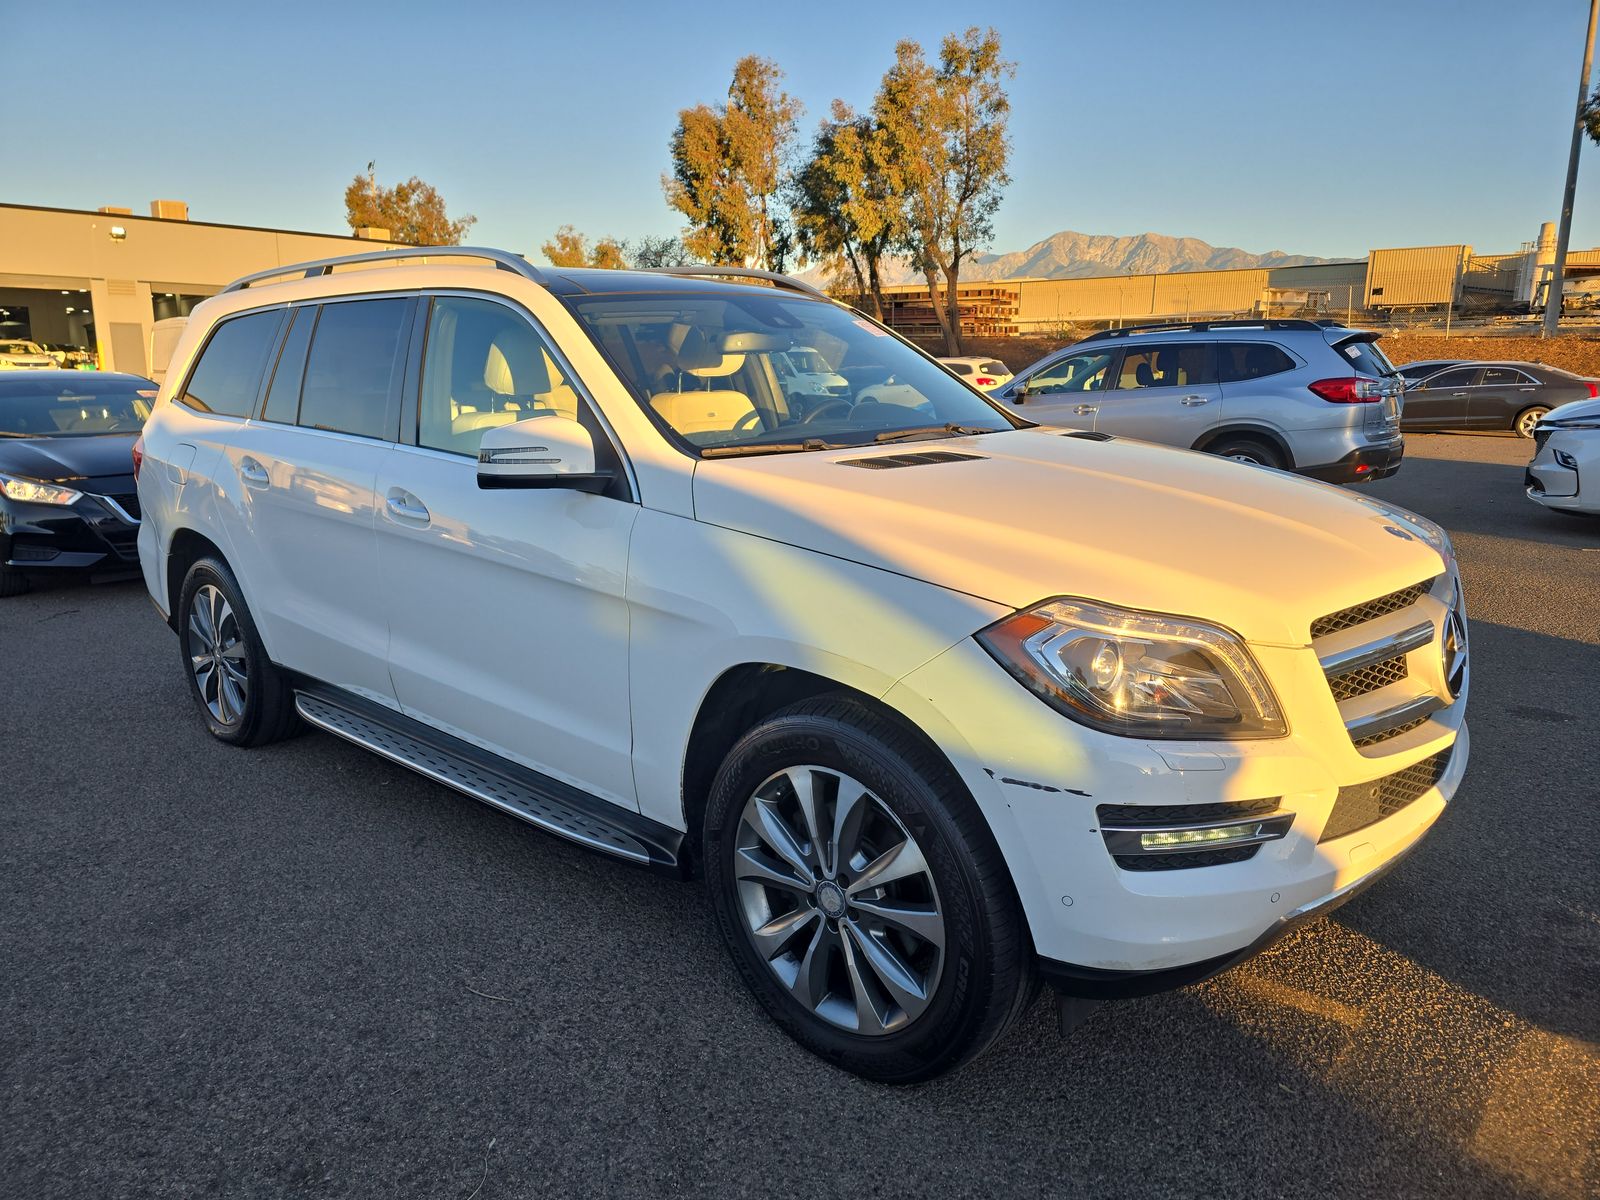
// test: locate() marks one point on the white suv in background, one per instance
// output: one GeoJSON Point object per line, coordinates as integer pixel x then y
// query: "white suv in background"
{"type": "Point", "coordinates": [556, 539]}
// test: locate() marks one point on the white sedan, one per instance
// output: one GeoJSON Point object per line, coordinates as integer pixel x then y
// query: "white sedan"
{"type": "Point", "coordinates": [1566, 454]}
{"type": "Point", "coordinates": [985, 374]}
{"type": "Point", "coordinates": [24, 356]}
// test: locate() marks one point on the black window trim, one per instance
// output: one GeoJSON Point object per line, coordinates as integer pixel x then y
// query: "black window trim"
{"type": "Point", "coordinates": [391, 429]}
{"type": "Point", "coordinates": [182, 391]}
{"type": "Point", "coordinates": [259, 413]}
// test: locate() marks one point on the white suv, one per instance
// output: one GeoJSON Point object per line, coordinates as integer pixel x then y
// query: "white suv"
{"type": "Point", "coordinates": [939, 703]}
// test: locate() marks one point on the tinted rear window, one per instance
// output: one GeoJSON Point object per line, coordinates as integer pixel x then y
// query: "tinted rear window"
{"type": "Point", "coordinates": [354, 364]}
{"type": "Point", "coordinates": [993, 368]}
{"type": "Point", "coordinates": [1239, 361]}
{"type": "Point", "coordinates": [1367, 359]}
{"type": "Point", "coordinates": [228, 375]}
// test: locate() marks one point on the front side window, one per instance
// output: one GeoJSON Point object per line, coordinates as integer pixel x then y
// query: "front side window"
{"type": "Point", "coordinates": [1459, 378]}
{"type": "Point", "coordinates": [484, 366]}
{"type": "Point", "coordinates": [228, 375]}
{"type": "Point", "coordinates": [354, 367]}
{"type": "Point", "coordinates": [1076, 373]}
{"type": "Point", "coordinates": [1165, 366]}
{"type": "Point", "coordinates": [707, 365]}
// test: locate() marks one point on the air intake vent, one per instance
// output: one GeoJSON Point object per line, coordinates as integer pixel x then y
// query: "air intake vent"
{"type": "Point", "coordinates": [885, 462]}
{"type": "Point", "coordinates": [1089, 435]}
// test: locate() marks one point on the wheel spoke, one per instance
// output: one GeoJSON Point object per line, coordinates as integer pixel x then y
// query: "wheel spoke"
{"type": "Point", "coordinates": [898, 979]}
{"type": "Point", "coordinates": [810, 985]}
{"type": "Point", "coordinates": [849, 813]}
{"type": "Point", "coordinates": [198, 627]}
{"type": "Point", "coordinates": [750, 863]}
{"type": "Point", "coordinates": [774, 937]}
{"type": "Point", "coordinates": [920, 920]}
{"type": "Point", "coordinates": [775, 831]}
{"type": "Point", "coordinates": [234, 650]}
{"type": "Point", "coordinates": [233, 696]}
{"type": "Point", "coordinates": [897, 862]}
{"type": "Point", "coordinates": [217, 604]}
{"type": "Point", "coordinates": [869, 1017]}
{"type": "Point", "coordinates": [804, 782]}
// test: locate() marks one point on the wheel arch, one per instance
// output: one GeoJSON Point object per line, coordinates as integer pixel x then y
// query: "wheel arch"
{"type": "Point", "coordinates": [1262, 433]}
{"type": "Point", "coordinates": [188, 546]}
{"type": "Point", "coordinates": [742, 697]}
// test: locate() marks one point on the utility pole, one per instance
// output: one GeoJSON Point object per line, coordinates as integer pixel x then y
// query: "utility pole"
{"type": "Point", "coordinates": [1558, 269]}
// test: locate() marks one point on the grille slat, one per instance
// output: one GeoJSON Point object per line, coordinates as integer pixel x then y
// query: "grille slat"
{"type": "Point", "coordinates": [1363, 804]}
{"type": "Point", "coordinates": [1369, 678]}
{"type": "Point", "coordinates": [1387, 734]}
{"type": "Point", "coordinates": [1360, 614]}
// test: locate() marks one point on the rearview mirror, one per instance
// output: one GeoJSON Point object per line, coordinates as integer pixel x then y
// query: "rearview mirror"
{"type": "Point", "coordinates": [540, 452]}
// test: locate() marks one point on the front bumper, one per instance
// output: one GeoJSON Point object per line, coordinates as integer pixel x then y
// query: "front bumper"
{"type": "Point", "coordinates": [1101, 928]}
{"type": "Point", "coordinates": [1564, 458]}
{"type": "Point", "coordinates": [1361, 466]}
{"type": "Point", "coordinates": [96, 533]}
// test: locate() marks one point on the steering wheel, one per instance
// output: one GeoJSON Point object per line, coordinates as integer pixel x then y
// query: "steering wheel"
{"type": "Point", "coordinates": [829, 407]}
{"type": "Point", "coordinates": [751, 420]}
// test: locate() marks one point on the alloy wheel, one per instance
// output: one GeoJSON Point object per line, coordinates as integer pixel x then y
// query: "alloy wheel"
{"type": "Point", "coordinates": [217, 656]}
{"type": "Point", "coordinates": [1528, 420]}
{"type": "Point", "coordinates": [838, 900]}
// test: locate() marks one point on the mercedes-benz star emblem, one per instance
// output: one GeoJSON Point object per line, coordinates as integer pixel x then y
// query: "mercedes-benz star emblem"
{"type": "Point", "coordinates": [1455, 653]}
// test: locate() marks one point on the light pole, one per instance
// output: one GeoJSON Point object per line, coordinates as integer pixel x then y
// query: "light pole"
{"type": "Point", "coordinates": [1558, 269]}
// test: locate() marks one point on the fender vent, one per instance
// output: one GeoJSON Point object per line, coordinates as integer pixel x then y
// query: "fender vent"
{"type": "Point", "coordinates": [886, 462]}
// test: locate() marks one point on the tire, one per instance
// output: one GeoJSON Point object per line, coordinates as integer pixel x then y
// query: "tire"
{"type": "Point", "coordinates": [969, 969]}
{"type": "Point", "coordinates": [1527, 419]}
{"type": "Point", "coordinates": [243, 699]}
{"type": "Point", "coordinates": [1247, 450]}
{"type": "Point", "coordinates": [12, 582]}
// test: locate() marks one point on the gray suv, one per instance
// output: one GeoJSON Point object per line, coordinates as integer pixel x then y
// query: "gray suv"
{"type": "Point", "coordinates": [1307, 396]}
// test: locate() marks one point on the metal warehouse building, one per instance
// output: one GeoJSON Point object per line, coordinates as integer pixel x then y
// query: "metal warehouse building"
{"type": "Point", "coordinates": [100, 280]}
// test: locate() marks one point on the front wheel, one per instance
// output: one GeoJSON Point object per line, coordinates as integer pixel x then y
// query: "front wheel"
{"type": "Point", "coordinates": [862, 895]}
{"type": "Point", "coordinates": [12, 582]}
{"type": "Point", "coordinates": [1527, 419]}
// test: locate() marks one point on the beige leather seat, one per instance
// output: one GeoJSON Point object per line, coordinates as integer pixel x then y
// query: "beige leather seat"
{"type": "Point", "coordinates": [690, 409]}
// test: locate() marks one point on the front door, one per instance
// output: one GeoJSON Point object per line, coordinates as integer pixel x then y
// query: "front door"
{"type": "Point", "coordinates": [1163, 393]}
{"type": "Point", "coordinates": [1065, 392]}
{"type": "Point", "coordinates": [507, 609]}
{"type": "Point", "coordinates": [1440, 401]}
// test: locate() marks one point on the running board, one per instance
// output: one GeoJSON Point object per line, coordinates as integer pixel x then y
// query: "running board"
{"type": "Point", "coordinates": [537, 799]}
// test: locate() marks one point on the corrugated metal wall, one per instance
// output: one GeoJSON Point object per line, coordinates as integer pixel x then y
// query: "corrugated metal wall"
{"type": "Point", "coordinates": [1417, 275]}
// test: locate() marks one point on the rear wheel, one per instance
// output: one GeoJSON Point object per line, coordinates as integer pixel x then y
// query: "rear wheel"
{"type": "Point", "coordinates": [12, 582]}
{"type": "Point", "coordinates": [243, 698]}
{"type": "Point", "coordinates": [1527, 419]}
{"type": "Point", "coordinates": [1248, 450]}
{"type": "Point", "coordinates": [861, 894]}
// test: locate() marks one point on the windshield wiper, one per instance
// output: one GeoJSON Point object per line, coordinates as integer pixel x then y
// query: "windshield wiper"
{"type": "Point", "coordinates": [928, 431]}
{"type": "Point", "coordinates": [769, 448]}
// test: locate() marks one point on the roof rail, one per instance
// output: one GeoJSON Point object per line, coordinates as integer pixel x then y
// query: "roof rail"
{"type": "Point", "coordinates": [1202, 326]}
{"type": "Point", "coordinates": [773, 277]}
{"type": "Point", "coordinates": [503, 259]}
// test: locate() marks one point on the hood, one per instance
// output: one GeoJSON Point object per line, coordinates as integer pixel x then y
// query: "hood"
{"type": "Point", "coordinates": [1589, 409]}
{"type": "Point", "coordinates": [1040, 514]}
{"type": "Point", "coordinates": [68, 460]}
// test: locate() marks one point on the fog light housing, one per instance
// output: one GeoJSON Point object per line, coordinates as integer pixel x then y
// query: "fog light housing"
{"type": "Point", "coordinates": [1177, 839]}
{"type": "Point", "coordinates": [1566, 460]}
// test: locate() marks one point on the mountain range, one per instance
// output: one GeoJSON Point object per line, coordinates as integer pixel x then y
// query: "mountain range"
{"type": "Point", "coordinates": [1072, 255]}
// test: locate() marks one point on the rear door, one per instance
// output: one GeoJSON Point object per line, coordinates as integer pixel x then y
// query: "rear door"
{"type": "Point", "coordinates": [1440, 401]}
{"type": "Point", "coordinates": [307, 469]}
{"type": "Point", "coordinates": [1502, 393]}
{"type": "Point", "coordinates": [1163, 393]}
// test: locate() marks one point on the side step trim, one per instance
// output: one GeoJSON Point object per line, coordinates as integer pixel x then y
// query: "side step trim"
{"type": "Point", "coordinates": [547, 803]}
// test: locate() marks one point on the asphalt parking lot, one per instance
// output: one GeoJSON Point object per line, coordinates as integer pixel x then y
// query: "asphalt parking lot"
{"type": "Point", "coordinates": [305, 971]}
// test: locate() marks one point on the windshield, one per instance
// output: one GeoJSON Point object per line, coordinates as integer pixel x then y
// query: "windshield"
{"type": "Point", "coordinates": [719, 370]}
{"type": "Point", "coordinates": [98, 406]}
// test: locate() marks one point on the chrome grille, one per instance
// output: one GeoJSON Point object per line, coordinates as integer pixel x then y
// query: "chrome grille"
{"type": "Point", "coordinates": [1368, 679]}
{"type": "Point", "coordinates": [1360, 614]}
{"type": "Point", "coordinates": [1363, 804]}
{"type": "Point", "coordinates": [1374, 739]}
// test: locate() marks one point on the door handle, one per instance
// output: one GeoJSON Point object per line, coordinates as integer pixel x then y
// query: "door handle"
{"type": "Point", "coordinates": [1194, 401]}
{"type": "Point", "coordinates": [253, 473]}
{"type": "Point", "coordinates": [406, 507]}
{"type": "Point", "coordinates": [1083, 410]}
{"type": "Point", "coordinates": [1458, 395]}
{"type": "Point", "coordinates": [1527, 389]}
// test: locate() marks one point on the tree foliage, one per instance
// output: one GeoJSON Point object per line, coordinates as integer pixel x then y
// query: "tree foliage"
{"type": "Point", "coordinates": [1591, 116]}
{"type": "Point", "coordinates": [412, 211]}
{"type": "Point", "coordinates": [947, 147]}
{"type": "Point", "coordinates": [650, 251]}
{"type": "Point", "coordinates": [730, 166]}
{"type": "Point", "coordinates": [847, 214]}
{"type": "Point", "coordinates": [569, 248]}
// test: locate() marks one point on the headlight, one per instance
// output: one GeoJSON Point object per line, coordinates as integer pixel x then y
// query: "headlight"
{"type": "Point", "coordinates": [1135, 673]}
{"type": "Point", "coordinates": [1411, 522]}
{"type": "Point", "coordinates": [31, 491]}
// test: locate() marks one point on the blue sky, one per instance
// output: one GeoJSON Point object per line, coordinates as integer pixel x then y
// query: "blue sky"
{"type": "Point", "coordinates": [1311, 128]}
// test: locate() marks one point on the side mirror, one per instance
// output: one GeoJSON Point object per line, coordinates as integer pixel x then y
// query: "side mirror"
{"type": "Point", "coordinates": [1017, 393]}
{"type": "Point", "coordinates": [540, 452]}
